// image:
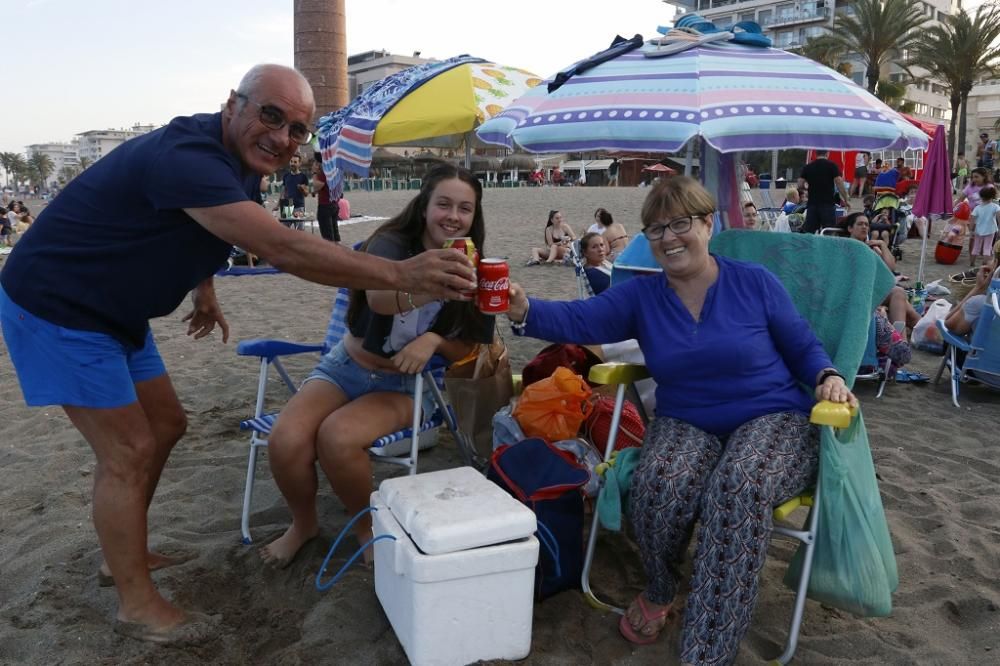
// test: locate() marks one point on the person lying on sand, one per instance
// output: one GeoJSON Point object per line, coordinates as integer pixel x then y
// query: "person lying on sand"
{"type": "Point", "coordinates": [79, 290]}
{"type": "Point", "coordinates": [365, 386]}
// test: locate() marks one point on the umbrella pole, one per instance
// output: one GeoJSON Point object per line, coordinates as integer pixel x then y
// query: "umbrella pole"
{"type": "Point", "coordinates": [468, 150]}
{"type": "Point", "coordinates": [923, 245]}
{"type": "Point", "coordinates": [774, 166]}
{"type": "Point", "coordinates": [689, 158]}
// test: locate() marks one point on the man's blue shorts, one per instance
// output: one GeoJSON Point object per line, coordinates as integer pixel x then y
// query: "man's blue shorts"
{"type": "Point", "coordinates": [65, 366]}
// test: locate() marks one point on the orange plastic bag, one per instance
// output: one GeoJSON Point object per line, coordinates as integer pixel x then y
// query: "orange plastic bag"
{"type": "Point", "coordinates": [553, 408]}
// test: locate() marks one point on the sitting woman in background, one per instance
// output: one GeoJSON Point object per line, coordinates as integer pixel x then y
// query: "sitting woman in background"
{"type": "Point", "coordinates": [731, 438]}
{"type": "Point", "coordinates": [23, 218]}
{"type": "Point", "coordinates": [558, 238]}
{"type": "Point", "coordinates": [963, 317]}
{"type": "Point", "coordinates": [900, 311]}
{"type": "Point", "coordinates": [613, 232]}
{"type": "Point", "coordinates": [363, 387]}
{"type": "Point", "coordinates": [595, 264]}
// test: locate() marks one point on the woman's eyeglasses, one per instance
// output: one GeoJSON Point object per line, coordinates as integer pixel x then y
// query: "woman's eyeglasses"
{"type": "Point", "coordinates": [272, 118]}
{"type": "Point", "coordinates": [677, 226]}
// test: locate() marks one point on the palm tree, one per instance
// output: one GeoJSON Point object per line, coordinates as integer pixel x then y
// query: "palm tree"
{"type": "Point", "coordinates": [827, 52]}
{"type": "Point", "coordinates": [7, 162]}
{"type": "Point", "coordinates": [893, 93]}
{"type": "Point", "coordinates": [84, 163]}
{"type": "Point", "coordinates": [878, 30]}
{"type": "Point", "coordinates": [14, 166]}
{"type": "Point", "coordinates": [980, 57]}
{"type": "Point", "coordinates": [43, 167]}
{"type": "Point", "coordinates": [66, 174]}
{"type": "Point", "coordinates": [939, 53]}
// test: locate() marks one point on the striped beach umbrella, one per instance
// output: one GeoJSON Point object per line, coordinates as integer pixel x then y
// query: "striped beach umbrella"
{"type": "Point", "coordinates": [736, 97]}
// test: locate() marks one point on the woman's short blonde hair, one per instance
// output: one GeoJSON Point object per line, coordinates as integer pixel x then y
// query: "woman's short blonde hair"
{"type": "Point", "coordinates": [676, 196]}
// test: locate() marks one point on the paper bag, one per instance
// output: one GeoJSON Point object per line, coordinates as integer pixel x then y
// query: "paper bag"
{"type": "Point", "coordinates": [477, 388]}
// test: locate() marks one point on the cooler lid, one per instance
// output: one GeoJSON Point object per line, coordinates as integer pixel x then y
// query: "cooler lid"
{"type": "Point", "coordinates": [455, 509]}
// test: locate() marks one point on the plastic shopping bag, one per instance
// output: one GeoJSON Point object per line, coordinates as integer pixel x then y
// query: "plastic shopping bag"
{"type": "Point", "coordinates": [854, 566]}
{"type": "Point", "coordinates": [553, 408]}
{"type": "Point", "coordinates": [925, 334]}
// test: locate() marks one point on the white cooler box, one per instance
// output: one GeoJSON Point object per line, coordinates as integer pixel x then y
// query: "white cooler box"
{"type": "Point", "coordinates": [458, 582]}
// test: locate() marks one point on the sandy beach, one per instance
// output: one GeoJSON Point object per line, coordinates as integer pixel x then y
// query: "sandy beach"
{"type": "Point", "coordinates": [938, 466]}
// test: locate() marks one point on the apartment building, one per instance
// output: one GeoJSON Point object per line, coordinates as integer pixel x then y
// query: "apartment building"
{"type": "Point", "coordinates": [792, 23]}
{"type": "Point", "coordinates": [95, 144]}
{"type": "Point", "coordinates": [61, 154]}
{"type": "Point", "coordinates": [364, 69]}
{"type": "Point", "coordinates": [982, 115]}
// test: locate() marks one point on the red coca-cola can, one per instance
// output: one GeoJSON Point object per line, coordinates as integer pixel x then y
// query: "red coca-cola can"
{"type": "Point", "coordinates": [493, 295]}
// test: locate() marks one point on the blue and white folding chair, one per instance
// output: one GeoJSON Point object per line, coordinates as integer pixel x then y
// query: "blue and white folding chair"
{"type": "Point", "coordinates": [874, 367]}
{"type": "Point", "coordinates": [982, 352]}
{"type": "Point", "coordinates": [583, 286]}
{"type": "Point", "coordinates": [399, 447]}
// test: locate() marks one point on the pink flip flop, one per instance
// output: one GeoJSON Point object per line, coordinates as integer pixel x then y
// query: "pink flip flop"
{"type": "Point", "coordinates": [633, 636]}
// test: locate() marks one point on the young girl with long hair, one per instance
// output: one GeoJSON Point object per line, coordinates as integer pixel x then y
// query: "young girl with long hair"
{"type": "Point", "coordinates": [363, 387]}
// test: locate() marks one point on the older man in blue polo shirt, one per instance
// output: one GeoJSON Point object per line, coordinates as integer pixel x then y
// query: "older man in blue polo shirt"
{"type": "Point", "coordinates": [79, 290]}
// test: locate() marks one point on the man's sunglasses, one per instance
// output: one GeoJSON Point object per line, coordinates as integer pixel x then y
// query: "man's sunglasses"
{"type": "Point", "coordinates": [273, 118]}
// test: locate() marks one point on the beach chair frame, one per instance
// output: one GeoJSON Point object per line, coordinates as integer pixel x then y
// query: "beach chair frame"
{"type": "Point", "coordinates": [623, 375]}
{"type": "Point", "coordinates": [583, 287]}
{"type": "Point", "coordinates": [880, 366]}
{"type": "Point", "coordinates": [400, 447]}
{"type": "Point", "coordinates": [982, 351]}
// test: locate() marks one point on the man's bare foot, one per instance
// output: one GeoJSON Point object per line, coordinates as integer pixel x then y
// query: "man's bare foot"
{"type": "Point", "coordinates": [280, 552]}
{"type": "Point", "coordinates": [191, 628]}
{"type": "Point", "coordinates": [154, 560]}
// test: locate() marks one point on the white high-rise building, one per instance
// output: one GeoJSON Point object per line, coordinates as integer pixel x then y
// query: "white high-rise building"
{"type": "Point", "coordinates": [95, 144]}
{"type": "Point", "coordinates": [61, 154]}
{"type": "Point", "coordinates": [791, 23]}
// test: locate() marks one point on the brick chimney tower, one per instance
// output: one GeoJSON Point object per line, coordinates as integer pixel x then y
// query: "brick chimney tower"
{"type": "Point", "coordinates": [321, 51]}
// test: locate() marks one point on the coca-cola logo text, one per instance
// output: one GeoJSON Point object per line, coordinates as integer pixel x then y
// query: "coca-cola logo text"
{"type": "Point", "coordinates": [501, 284]}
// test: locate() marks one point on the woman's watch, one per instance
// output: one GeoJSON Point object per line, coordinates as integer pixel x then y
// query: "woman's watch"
{"type": "Point", "coordinates": [826, 374]}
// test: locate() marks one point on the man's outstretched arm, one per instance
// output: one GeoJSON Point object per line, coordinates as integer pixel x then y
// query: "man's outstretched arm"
{"type": "Point", "coordinates": [440, 273]}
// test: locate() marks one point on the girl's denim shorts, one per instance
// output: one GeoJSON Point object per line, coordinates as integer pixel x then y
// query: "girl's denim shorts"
{"type": "Point", "coordinates": [338, 368]}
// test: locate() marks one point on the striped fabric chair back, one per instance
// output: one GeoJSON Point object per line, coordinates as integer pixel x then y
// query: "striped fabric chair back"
{"type": "Point", "coordinates": [337, 327]}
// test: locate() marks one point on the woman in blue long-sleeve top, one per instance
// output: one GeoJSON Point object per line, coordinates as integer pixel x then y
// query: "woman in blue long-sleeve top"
{"type": "Point", "coordinates": [731, 438]}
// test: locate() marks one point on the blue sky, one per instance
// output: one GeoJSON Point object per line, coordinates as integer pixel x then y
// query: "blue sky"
{"type": "Point", "coordinates": [94, 64]}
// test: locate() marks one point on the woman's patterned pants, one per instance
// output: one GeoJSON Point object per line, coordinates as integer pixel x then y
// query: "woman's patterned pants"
{"type": "Point", "coordinates": [687, 475]}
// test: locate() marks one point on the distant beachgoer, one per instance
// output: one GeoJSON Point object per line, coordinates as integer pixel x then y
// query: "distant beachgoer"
{"type": "Point", "coordinates": [295, 185]}
{"type": "Point", "coordinates": [985, 215]}
{"type": "Point", "coordinates": [327, 210]}
{"type": "Point", "coordinates": [791, 203]}
{"type": "Point", "coordinates": [613, 169]}
{"type": "Point", "coordinates": [859, 184]}
{"type": "Point", "coordinates": [343, 209]}
{"type": "Point", "coordinates": [558, 237]}
{"type": "Point", "coordinates": [614, 232]}
{"type": "Point", "coordinates": [750, 216]}
{"type": "Point", "coordinates": [6, 229]}
{"type": "Point", "coordinates": [127, 242]}
{"type": "Point", "coordinates": [595, 265]}
{"type": "Point", "coordinates": [824, 179]}
{"type": "Point", "coordinates": [899, 307]}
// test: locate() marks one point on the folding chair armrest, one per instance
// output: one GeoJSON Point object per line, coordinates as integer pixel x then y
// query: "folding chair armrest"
{"type": "Point", "coordinates": [618, 373]}
{"type": "Point", "coordinates": [951, 338]}
{"type": "Point", "coordinates": [271, 348]}
{"type": "Point", "coordinates": [436, 362]}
